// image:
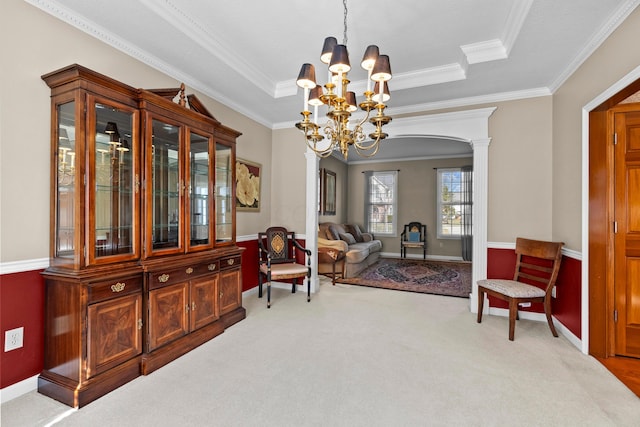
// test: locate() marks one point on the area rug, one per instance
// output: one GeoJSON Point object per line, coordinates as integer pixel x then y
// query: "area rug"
{"type": "Point", "coordinates": [430, 277]}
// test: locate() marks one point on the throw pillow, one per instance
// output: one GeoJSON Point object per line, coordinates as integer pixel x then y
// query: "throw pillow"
{"type": "Point", "coordinates": [333, 233]}
{"type": "Point", "coordinates": [355, 231]}
{"type": "Point", "coordinates": [348, 237]}
{"type": "Point", "coordinates": [414, 236]}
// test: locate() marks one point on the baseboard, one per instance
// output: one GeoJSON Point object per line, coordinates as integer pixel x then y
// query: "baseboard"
{"type": "Point", "coordinates": [541, 317]}
{"type": "Point", "coordinates": [18, 389]}
{"type": "Point", "coordinates": [418, 256]}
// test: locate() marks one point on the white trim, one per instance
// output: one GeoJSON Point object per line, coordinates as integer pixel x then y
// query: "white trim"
{"type": "Point", "coordinates": [570, 253]}
{"type": "Point", "coordinates": [18, 389]}
{"type": "Point", "coordinates": [22, 266]}
{"type": "Point", "coordinates": [539, 317]}
{"type": "Point", "coordinates": [620, 14]}
{"type": "Point", "coordinates": [419, 257]}
{"type": "Point", "coordinates": [515, 21]}
{"type": "Point", "coordinates": [485, 51]}
{"type": "Point", "coordinates": [452, 103]}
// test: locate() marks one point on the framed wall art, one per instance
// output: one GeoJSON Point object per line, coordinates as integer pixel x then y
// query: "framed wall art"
{"type": "Point", "coordinates": [247, 185]}
{"type": "Point", "coordinates": [328, 192]}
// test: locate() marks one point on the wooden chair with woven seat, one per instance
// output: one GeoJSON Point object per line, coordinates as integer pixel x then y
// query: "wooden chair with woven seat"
{"type": "Point", "coordinates": [537, 266]}
{"type": "Point", "coordinates": [277, 260]}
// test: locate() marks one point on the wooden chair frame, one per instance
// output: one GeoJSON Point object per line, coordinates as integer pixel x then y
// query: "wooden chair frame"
{"type": "Point", "coordinates": [405, 243]}
{"type": "Point", "coordinates": [277, 260]}
{"type": "Point", "coordinates": [532, 281]}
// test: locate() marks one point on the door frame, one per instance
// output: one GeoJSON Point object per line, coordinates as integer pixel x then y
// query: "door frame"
{"type": "Point", "coordinates": [597, 217]}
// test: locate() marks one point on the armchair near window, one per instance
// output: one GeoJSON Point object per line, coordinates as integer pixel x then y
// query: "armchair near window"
{"type": "Point", "coordinates": [413, 236]}
{"type": "Point", "coordinates": [277, 260]}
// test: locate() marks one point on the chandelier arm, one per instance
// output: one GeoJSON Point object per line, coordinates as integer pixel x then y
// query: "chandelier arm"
{"type": "Point", "coordinates": [320, 153]}
{"type": "Point", "coordinates": [361, 151]}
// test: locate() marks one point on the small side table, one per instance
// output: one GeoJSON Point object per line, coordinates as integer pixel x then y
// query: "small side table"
{"type": "Point", "coordinates": [331, 256]}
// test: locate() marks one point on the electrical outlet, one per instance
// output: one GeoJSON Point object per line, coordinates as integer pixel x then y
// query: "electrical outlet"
{"type": "Point", "coordinates": [553, 292]}
{"type": "Point", "coordinates": [13, 338]}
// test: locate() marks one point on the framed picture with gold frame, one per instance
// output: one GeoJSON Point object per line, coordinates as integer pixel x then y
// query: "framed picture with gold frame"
{"type": "Point", "coordinates": [247, 185]}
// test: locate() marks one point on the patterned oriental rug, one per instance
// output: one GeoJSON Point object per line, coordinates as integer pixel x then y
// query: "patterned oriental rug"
{"type": "Point", "coordinates": [430, 277]}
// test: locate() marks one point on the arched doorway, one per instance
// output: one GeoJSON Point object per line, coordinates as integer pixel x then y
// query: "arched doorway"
{"type": "Point", "coordinates": [469, 125]}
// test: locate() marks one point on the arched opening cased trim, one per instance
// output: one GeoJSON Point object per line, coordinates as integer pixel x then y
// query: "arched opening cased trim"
{"type": "Point", "coordinates": [469, 125]}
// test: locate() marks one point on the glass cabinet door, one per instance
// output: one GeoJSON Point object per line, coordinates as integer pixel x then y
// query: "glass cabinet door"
{"type": "Point", "coordinates": [224, 193]}
{"type": "Point", "coordinates": [114, 182]}
{"type": "Point", "coordinates": [65, 232]}
{"type": "Point", "coordinates": [166, 187]}
{"type": "Point", "coordinates": [200, 205]}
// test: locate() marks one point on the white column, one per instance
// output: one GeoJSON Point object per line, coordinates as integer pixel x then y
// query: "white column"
{"type": "Point", "coordinates": [311, 230]}
{"type": "Point", "coordinates": [480, 216]}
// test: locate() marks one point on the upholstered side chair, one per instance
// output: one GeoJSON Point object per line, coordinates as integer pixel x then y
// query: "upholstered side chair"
{"type": "Point", "coordinates": [277, 260]}
{"type": "Point", "coordinates": [536, 271]}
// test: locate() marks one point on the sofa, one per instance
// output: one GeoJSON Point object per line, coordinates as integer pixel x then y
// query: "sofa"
{"type": "Point", "coordinates": [360, 249]}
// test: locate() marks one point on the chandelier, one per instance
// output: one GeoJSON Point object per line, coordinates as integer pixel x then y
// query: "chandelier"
{"type": "Point", "coordinates": [339, 131]}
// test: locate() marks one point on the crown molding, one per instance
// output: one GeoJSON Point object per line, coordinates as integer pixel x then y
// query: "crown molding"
{"type": "Point", "coordinates": [196, 32]}
{"type": "Point", "coordinates": [53, 8]}
{"type": "Point", "coordinates": [453, 103]}
{"type": "Point", "coordinates": [623, 11]}
{"type": "Point", "coordinates": [490, 50]}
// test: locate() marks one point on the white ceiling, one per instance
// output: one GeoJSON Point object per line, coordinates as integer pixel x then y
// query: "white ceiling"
{"type": "Point", "coordinates": [247, 53]}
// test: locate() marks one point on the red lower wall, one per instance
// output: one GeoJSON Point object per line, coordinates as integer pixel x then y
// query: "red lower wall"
{"type": "Point", "coordinates": [22, 304]}
{"type": "Point", "coordinates": [566, 306]}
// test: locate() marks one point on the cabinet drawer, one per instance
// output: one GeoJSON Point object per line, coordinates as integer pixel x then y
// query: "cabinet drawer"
{"type": "Point", "coordinates": [231, 262]}
{"type": "Point", "coordinates": [114, 288]}
{"type": "Point", "coordinates": [176, 275]}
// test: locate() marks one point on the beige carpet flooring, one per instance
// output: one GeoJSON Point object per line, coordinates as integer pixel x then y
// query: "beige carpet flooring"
{"type": "Point", "coordinates": [358, 356]}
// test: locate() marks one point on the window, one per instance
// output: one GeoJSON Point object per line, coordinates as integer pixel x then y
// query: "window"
{"type": "Point", "coordinates": [381, 202]}
{"type": "Point", "coordinates": [450, 203]}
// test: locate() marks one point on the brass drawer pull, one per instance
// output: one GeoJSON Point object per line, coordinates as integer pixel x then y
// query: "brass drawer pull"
{"type": "Point", "coordinates": [189, 270]}
{"type": "Point", "coordinates": [231, 261]}
{"type": "Point", "coordinates": [118, 287]}
{"type": "Point", "coordinates": [211, 267]}
{"type": "Point", "coordinates": [164, 278]}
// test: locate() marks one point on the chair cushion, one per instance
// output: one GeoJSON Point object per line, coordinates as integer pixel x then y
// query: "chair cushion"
{"type": "Point", "coordinates": [411, 244]}
{"type": "Point", "coordinates": [511, 288]}
{"type": "Point", "coordinates": [285, 269]}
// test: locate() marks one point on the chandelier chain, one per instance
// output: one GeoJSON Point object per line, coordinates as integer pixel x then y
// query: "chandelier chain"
{"type": "Point", "coordinates": [344, 36]}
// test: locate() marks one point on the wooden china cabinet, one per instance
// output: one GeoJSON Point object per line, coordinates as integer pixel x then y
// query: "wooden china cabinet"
{"type": "Point", "coordinates": [144, 266]}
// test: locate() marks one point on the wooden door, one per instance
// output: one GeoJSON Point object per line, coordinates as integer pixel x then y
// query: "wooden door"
{"type": "Point", "coordinates": [204, 301]}
{"type": "Point", "coordinates": [627, 235]}
{"type": "Point", "coordinates": [168, 314]}
{"type": "Point", "coordinates": [114, 332]}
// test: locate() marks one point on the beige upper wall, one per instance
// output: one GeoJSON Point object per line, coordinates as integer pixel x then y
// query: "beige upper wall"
{"type": "Point", "coordinates": [614, 59]}
{"type": "Point", "coordinates": [534, 185]}
{"type": "Point", "coordinates": [417, 195]}
{"type": "Point", "coordinates": [38, 43]}
{"type": "Point", "coordinates": [341, 169]}
{"type": "Point", "coordinates": [289, 180]}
